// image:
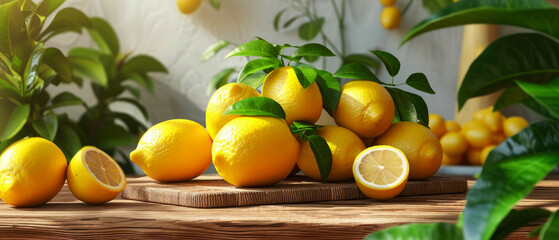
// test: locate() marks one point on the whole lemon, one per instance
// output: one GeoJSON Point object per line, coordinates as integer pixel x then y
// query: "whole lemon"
{"type": "Point", "coordinates": [32, 172]}
{"type": "Point", "coordinates": [174, 150]}
{"type": "Point", "coordinates": [452, 160]}
{"type": "Point", "coordinates": [94, 176]}
{"type": "Point", "coordinates": [513, 125]}
{"type": "Point", "coordinates": [454, 144]}
{"type": "Point", "coordinates": [254, 151]}
{"type": "Point", "coordinates": [473, 155]}
{"type": "Point", "coordinates": [365, 108]}
{"type": "Point", "coordinates": [485, 152]}
{"type": "Point", "coordinates": [437, 124]}
{"type": "Point", "coordinates": [479, 136]}
{"type": "Point", "coordinates": [387, 3]}
{"type": "Point", "coordinates": [223, 98]}
{"type": "Point", "coordinates": [188, 6]}
{"type": "Point", "coordinates": [390, 17]}
{"type": "Point", "coordinates": [419, 144]}
{"type": "Point", "coordinates": [299, 104]}
{"type": "Point", "coordinates": [452, 126]}
{"type": "Point", "coordinates": [345, 146]}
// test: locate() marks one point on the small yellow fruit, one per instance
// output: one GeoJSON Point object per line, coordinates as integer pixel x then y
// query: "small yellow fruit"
{"type": "Point", "coordinates": [479, 115]}
{"type": "Point", "coordinates": [344, 144]}
{"type": "Point", "coordinates": [390, 18]}
{"type": "Point", "coordinates": [174, 150]}
{"type": "Point", "coordinates": [365, 108]}
{"type": "Point", "coordinates": [299, 104]}
{"type": "Point", "coordinates": [472, 124]}
{"type": "Point", "coordinates": [381, 172]}
{"type": "Point", "coordinates": [454, 144]}
{"type": "Point", "coordinates": [479, 136]}
{"type": "Point", "coordinates": [223, 98]}
{"type": "Point", "coordinates": [437, 125]}
{"type": "Point", "coordinates": [188, 6]}
{"type": "Point", "coordinates": [494, 120]}
{"type": "Point", "coordinates": [452, 160]}
{"type": "Point", "coordinates": [452, 126]}
{"type": "Point", "coordinates": [254, 151]}
{"type": "Point", "coordinates": [513, 125]}
{"type": "Point", "coordinates": [473, 155]}
{"type": "Point", "coordinates": [387, 3]}
{"type": "Point", "coordinates": [32, 172]}
{"type": "Point", "coordinates": [421, 146]}
{"type": "Point", "coordinates": [485, 152]}
{"type": "Point", "coordinates": [94, 177]}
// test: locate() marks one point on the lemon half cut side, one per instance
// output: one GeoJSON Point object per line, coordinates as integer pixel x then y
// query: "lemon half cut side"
{"type": "Point", "coordinates": [381, 172]}
{"type": "Point", "coordinates": [105, 170]}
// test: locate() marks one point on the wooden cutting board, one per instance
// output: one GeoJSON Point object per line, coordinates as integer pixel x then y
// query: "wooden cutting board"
{"type": "Point", "coordinates": [209, 191]}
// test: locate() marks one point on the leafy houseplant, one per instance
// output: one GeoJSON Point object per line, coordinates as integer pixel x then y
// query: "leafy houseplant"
{"type": "Point", "coordinates": [525, 66]}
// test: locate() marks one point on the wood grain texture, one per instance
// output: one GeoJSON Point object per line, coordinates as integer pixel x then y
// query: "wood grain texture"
{"type": "Point", "coordinates": [66, 217]}
{"type": "Point", "coordinates": [209, 191]}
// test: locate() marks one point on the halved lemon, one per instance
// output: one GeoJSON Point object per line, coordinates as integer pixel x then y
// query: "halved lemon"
{"type": "Point", "coordinates": [381, 172]}
{"type": "Point", "coordinates": [94, 177]}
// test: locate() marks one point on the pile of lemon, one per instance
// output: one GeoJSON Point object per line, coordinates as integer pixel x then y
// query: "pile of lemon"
{"type": "Point", "coordinates": [471, 143]}
{"type": "Point", "coordinates": [253, 151]}
{"type": "Point", "coordinates": [390, 16]}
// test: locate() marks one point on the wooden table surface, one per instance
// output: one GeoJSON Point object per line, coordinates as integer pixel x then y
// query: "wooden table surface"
{"type": "Point", "coordinates": [66, 217]}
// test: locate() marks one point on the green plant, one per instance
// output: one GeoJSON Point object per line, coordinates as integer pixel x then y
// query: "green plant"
{"type": "Point", "coordinates": [28, 67]}
{"type": "Point", "coordinates": [526, 66]}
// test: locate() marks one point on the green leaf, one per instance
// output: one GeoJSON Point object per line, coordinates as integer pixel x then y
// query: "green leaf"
{"type": "Point", "coordinates": [46, 7]}
{"type": "Point", "coordinates": [112, 136]}
{"type": "Point", "coordinates": [213, 49]}
{"type": "Point", "coordinates": [255, 48]}
{"type": "Point", "coordinates": [310, 59]}
{"type": "Point", "coordinates": [409, 107]}
{"type": "Point", "coordinates": [547, 95]}
{"type": "Point", "coordinates": [322, 154]}
{"type": "Point", "coordinates": [137, 104]}
{"type": "Point", "coordinates": [435, 5]}
{"type": "Point", "coordinates": [140, 78]}
{"type": "Point", "coordinates": [510, 96]}
{"type": "Point", "coordinates": [143, 64]}
{"type": "Point", "coordinates": [308, 31]}
{"type": "Point", "coordinates": [356, 71]}
{"type": "Point", "coordinates": [291, 21]}
{"type": "Point", "coordinates": [64, 99]}
{"type": "Point", "coordinates": [329, 89]}
{"type": "Point", "coordinates": [134, 91]}
{"type": "Point", "coordinates": [550, 229]}
{"type": "Point", "coordinates": [312, 49]}
{"type": "Point", "coordinates": [419, 81]}
{"type": "Point", "coordinates": [419, 231]}
{"type": "Point", "coordinates": [216, 4]}
{"type": "Point", "coordinates": [68, 140]}
{"type": "Point", "coordinates": [509, 174]}
{"type": "Point", "coordinates": [15, 123]}
{"type": "Point", "coordinates": [67, 20]}
{"type": "Point", "coordinates": [526, 57]}
{"type": "Point", "coordinates": [6, 26]}
{"type": "Point", "coordinates": [256, 66]}
{"type": "Point", "coordinates": [277, 19]}
{"type": "Point", "coordinates": [220, 79]}
{"type": "Point", "coordinates": [536, 232]}
{"type": "Point", "coordinates": [536, 107]}
{"type": "Point", "coordinates": [390, 62]}
{"type": "Point", "coordinates": [361, 58]}
{"type": "Point", "coordinates": [47, 125]}
{"type": "Point", "coordinates": [255, 80]}
{"type": "Point", "coordinates": [306, 76]}
{"type": "Point", "coordinates": [32, 67]}
{"type": "Point", "coordinates": [89, 69]}
{"type": "Point", "coordinates": [104, 36]}
{"type": "Point", "coordinates": [257, 106]}
{"type": "Point", "coordinates": [56, 60]}
{"type": "Point", "coordinates": [534, 14]}
{"type": "Point", "coordinates": [134, 126]}
{"type": "Point", "coordinates": [518, 218]}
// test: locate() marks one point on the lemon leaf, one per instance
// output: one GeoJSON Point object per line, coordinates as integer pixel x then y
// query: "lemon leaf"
{"type": "Point", "coordinates": [257, 65]}
{"type": "Point", "coordinates": [322, 154]}
{"type": "Point", "coordinates": [550, 229]}
{"type": "Point", "coordinates": [212, 50]}
{"type": "Point", "coordinates": [47, 125]}
{"type": "Point", "coordinates": [409, 107]}
{"type": "Point", "coordinates": [277, 19]}
{"type": "Point", "coordinates": [419, 231]}
{"type": "Point", "coordinates": [306, 76]}
{"type": "Point", "coordinates": [255, 48]}
{"type": "Point", "coordinates": [220, 79]}
{"type": "Point", "coordinates": [308, 31]}
{"type": "Point", "coordinates": [257, 106]}
{"type": "Point", "coordinates": [356, 70]}
{"type": "Point", "coordinates": [544, 94]}
{"type": "Point", "coordinates": [362, 58]}
{"type": "Point", "coordinates": [518, 218]}
{"type": "Point", "coordinates": [329, 89]}
{"type": "Point", "coordinates": [419, 81]}
{"type": "Point", "coordinates": [390, 62]}
{"type": "Point", "coordinates": [312, 49]}
{"type": "Point", "coordinates": [16, 121]}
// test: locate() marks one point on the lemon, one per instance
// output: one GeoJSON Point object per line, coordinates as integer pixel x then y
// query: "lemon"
{"type": "Point", "coordinates": [494, 121]}
{"type": "Point", "coordinates": [513, 125]}
{"type": "Point", "coordinates": [223, 98]}
{"type": "Point", "coordinates": [365, 108]}
{"type": "Point", "coordinates": [188, 6]}
{"type": "Point", "coordinates": [387, 3]}
{"type": "Point", "coordinates": [299, 104]}
{"type": "Point", "coordinates": [479, 115]}
{"type": "Point", "coordinates": [390, 18]}
{"type": "Point", "coordinates": [437, 125]}
{"type": "Point", "coordinates": [419, 144]}
{"type": "Point", "coordinates": [381, 172]}
{"type": "Point", "coordinates": [479, 136]}
{"type": "Point", "coordinates": [94, 177]}
{"type": "Point", "coordinates": [452, 160]}
{"type": "Point", "coordinates": [485, 152]}
{"type": "Point", "coordinates": [344, 144]}
{"type": "Point", "coordinates": [32, 172]}
{"type": "Point", "coordinates": [472, 124]}
{"type": "Point", "coordinates": [174, 150]}
{"type": "Point", "coordinates": [454, 144]}
{"type": "Point", "coordinates": [473, 156]}
{"type": "Point", "coordinates": [254, 151]}
{"type": "Point", "coordinates": [452, 126]}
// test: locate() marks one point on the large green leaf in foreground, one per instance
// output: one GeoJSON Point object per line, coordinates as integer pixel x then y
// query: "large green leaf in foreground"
{"type": "Point", "coordinates": [424, 231]}
{"type": "Point", "coordinates": [509, 174]}
{"type": "Point", "coordinates": [534, 14]}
